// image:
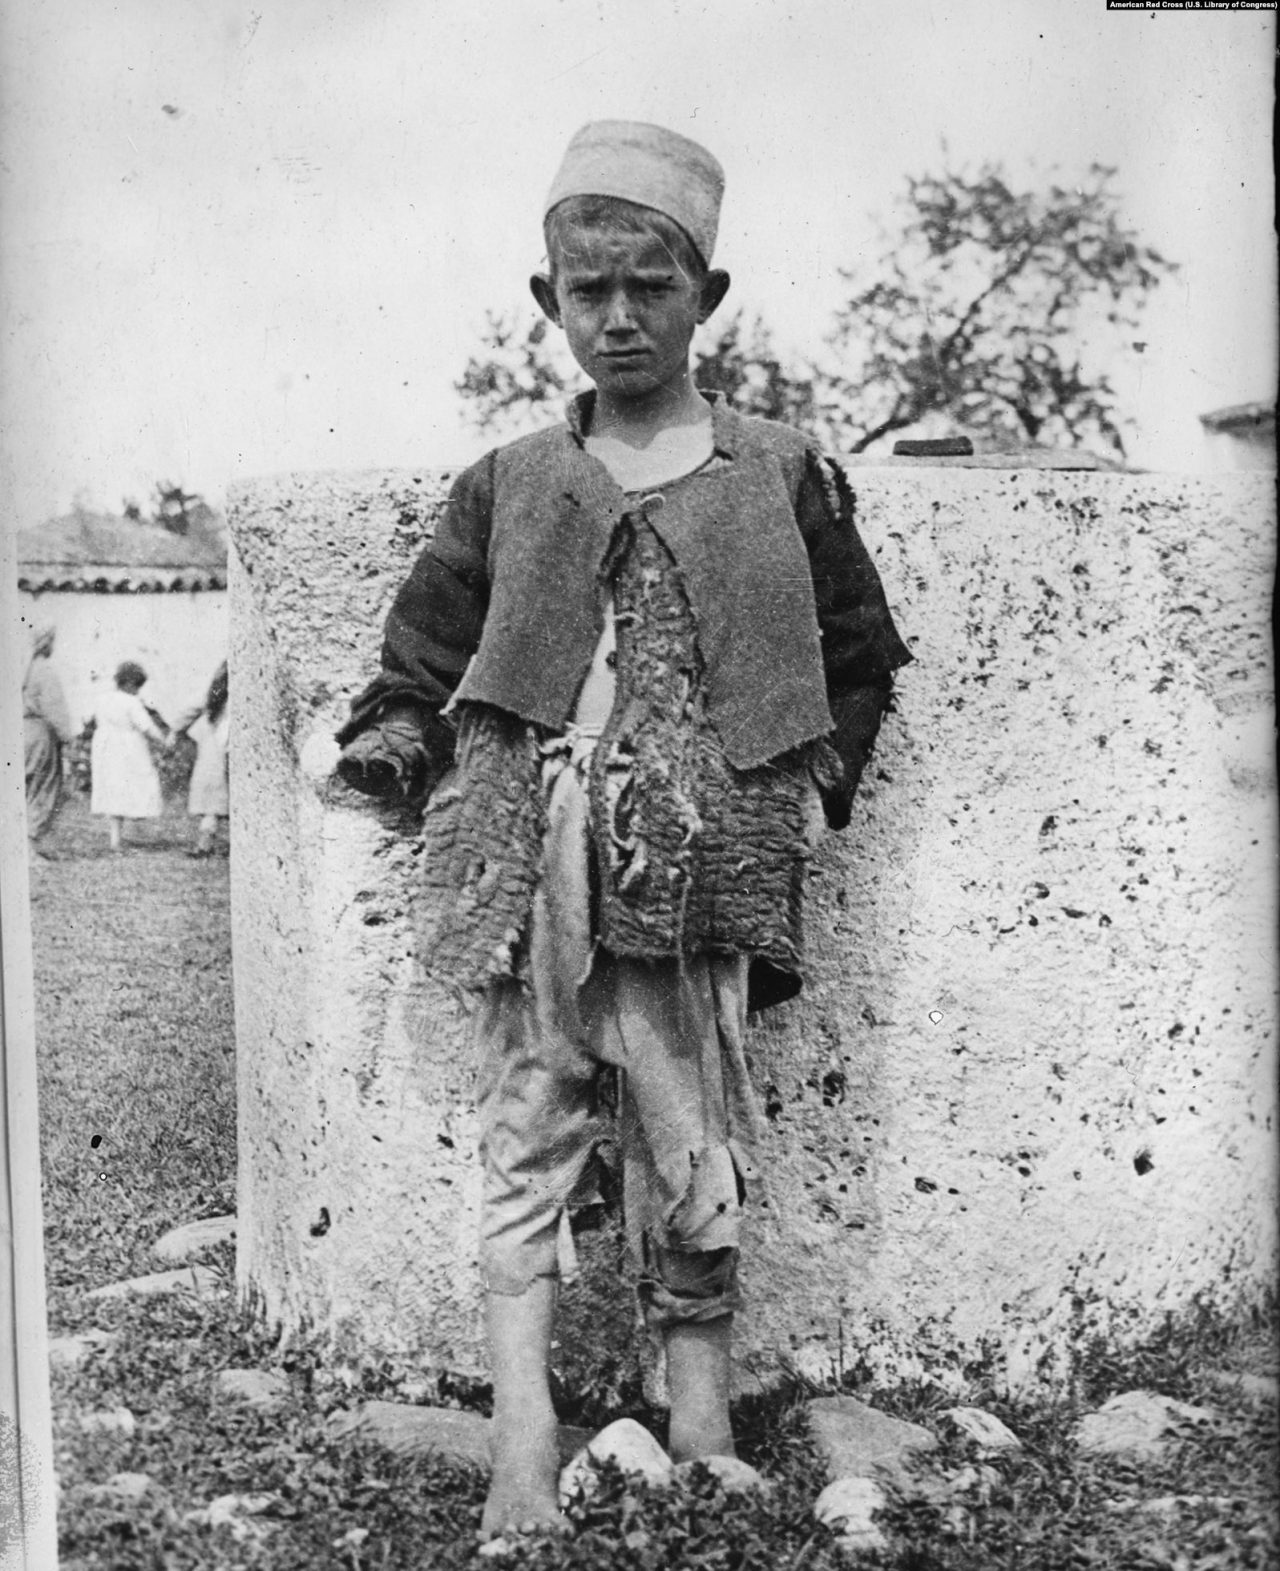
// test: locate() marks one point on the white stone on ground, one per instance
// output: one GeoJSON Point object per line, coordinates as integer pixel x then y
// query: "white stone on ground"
{"type": "Point", "coordinates": [1168, 1506]}
{"type": "Point", "coordinates": [1138, 1422]}
{"type": "Point", "coordinates": [1264, 1389]}
{"type": "Point", "coordinates": [847, 1506]}
{"type": "Point", "coordinates": [264, 1388]}
{"type": "Point", "coordinates": [190, 1279]}
{"type": "Point", "coordinates": [124, 1486]}
{"type": "Point", "coordinates": [69, 1352]}
{"type": "Point", "coordinates": [109, 1421]}
{"type": "Point", "coordinates": [237, 1512]}
{"type": "Point", "coordinates": [857, 1441]}
{"type": "Point", "coordinates": [734, 1475]}
{"type": "Point", "coordinates": [977, 1481]}
{"type": "Point", "coordinates": [180, 1243]}
{"type": "Point", "coordinates": [624, 1442]}
{"type": "Point", "coordinates": [409, 1430]}
{"type": "Point", "coordinates": [990, 1433]}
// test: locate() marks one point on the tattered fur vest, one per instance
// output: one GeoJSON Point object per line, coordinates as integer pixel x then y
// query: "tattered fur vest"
{"type": "Point", "coordinates": [690, 855]}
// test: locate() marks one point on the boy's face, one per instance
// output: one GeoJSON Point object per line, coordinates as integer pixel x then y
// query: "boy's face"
{"type": "Point", "coordinates": [627, 306]}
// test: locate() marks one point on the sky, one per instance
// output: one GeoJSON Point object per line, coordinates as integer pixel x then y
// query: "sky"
{"type": "Point", "coordinates": [238, 239]}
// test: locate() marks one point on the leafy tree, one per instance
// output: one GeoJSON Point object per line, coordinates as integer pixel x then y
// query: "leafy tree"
{"type": "Point", "coordinates": [176, 509]}
{"type": "Point", "coordinates": [989, 310]}
{"type": "Point", "coordinates": [987, 303]}
{"type": "Point", "coordinates": [526, 375]}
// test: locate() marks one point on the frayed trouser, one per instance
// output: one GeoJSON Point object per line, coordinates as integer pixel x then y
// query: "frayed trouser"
{"type": "Point", "coordinates": [673, 1033]}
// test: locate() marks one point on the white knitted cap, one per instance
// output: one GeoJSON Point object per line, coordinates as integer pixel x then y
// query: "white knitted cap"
{"type": "Point", "coordinates": [648, 165]}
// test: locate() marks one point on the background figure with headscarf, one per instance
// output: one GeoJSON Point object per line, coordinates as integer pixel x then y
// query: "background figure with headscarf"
{"type": "Point", "coordinates": [208, 797]}
{"type": "Point", "coordinates": [126, 783]}
{"type": "Point", "coordinates": [46, 725]}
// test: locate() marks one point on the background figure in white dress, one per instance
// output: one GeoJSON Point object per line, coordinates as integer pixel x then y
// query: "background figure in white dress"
{"type": "Point", "coordinates": [208, 798]}
{"type": "Point", "coordinates": [126, 783]}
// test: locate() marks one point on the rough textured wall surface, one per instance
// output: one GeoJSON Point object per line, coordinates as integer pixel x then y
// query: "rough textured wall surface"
{"type": "Point", "coordinates": [1029, 1092]}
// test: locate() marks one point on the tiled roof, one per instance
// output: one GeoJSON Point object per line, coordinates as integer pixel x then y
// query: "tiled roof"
{"type": "Point", "coordinates": [100, 552]}
{"type": "Point", "coordinates": [40, 577]}
{"type": "Point", "coordinates": [1259, 417]}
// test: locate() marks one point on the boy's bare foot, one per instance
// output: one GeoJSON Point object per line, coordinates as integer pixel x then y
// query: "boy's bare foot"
{"type": "Point", "coordinates": [524, 1493]}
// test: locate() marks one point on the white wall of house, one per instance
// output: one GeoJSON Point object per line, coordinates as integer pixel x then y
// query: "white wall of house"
{"type": "Point", "coordinates": [1235, 451]}
{"type": "Point", "coordinates": [177, 637]}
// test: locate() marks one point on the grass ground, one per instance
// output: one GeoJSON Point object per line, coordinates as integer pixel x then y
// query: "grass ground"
{"type": "Point", "coordinates": [138, 1130]}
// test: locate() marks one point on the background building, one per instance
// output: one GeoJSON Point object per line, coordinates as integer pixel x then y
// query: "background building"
{"type": "Point", "coordinates": [1241, 437]}
{"type": "Point", "coordinates": [117, 588]}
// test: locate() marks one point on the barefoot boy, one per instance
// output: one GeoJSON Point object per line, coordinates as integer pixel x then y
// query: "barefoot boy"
{"type": "Point", "coordinates": [652, 642]}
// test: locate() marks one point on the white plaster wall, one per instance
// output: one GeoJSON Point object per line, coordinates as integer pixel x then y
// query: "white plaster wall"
{"type": "Point", "coordinates": [1030, 1090]}
{"type": "Point", "coordinates": [179, 639]}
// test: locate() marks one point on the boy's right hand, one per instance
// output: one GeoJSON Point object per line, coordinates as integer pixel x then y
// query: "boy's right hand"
{"type": "Point", "coordinates": [388, 759]}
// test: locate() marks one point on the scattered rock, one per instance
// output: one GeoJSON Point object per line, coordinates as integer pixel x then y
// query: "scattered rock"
{"type": "Point", "coordinates": [733, 1474]}
{"type": "Point", "coordinates": [856, 1441]}
{"type": "Point", "coordinates": [191, 1279]}
{"type": "Point", "coordinates": [1263, 1389]}
{"type": "Point", "coordinates": [124, 1487]}
{"type": "Point", "coordinates": [69, 1352]}
{"type": "Point", "coordinates": [239, 1513]}
{"type": "Point", "coordinates": [990, 1433]}
{"type": "Point", "coordinates": [847, 1506]}
{"type": "Point", "coordinates": [624, 1442]}
{"type": "Point", "coordinates": [977, 1482]}
{"type": "Point", "coordinates": [1139, 1423]}
{"type": "Point", "coordinates": [109, 1421]}
{"type": "Point", "coordinates": [409, 1430]}
{"type": "Point", "coordinates": [180, 1243]}
{"type": "Point", "coordinates": [1168, 1506]}
{"type": "Point", "coordinates": [264, 1388]}
{"type": "Point", "coordinates": [227, 1507]}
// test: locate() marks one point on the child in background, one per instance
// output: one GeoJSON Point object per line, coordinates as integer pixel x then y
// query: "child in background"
{"type": "Point", "coordinates": [208, 796]}
{"type": "Point", "coordinates": [46, 724]}
{"type": "Point", "coordinates": [126, 783]}
{"type": "Point", "coordinates": [657, 650]}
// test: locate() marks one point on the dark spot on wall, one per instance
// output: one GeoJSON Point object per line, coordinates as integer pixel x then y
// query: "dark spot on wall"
{"type": "Point", "coordinates": [833, 1087]}
{"type": "Point", "coordinates": [320, 1227]}
{"type": "Point", "coordinates": [926, 1186]}
{"type": "Point", "coordinates": [1049, 825]}
{"type": "Point", "coordinates": [1142, 1163]}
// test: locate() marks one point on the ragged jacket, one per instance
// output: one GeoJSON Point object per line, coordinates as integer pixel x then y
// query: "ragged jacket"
{"type": "Point", "coordinates": [790, 634]}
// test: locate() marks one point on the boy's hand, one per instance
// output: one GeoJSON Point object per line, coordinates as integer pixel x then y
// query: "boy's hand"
{"type": "Point", "coordinates": [388, 759]}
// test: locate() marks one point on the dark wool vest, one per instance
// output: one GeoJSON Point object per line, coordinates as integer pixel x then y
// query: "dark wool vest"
{"type": "Point", "coordinates": [732, 535]}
